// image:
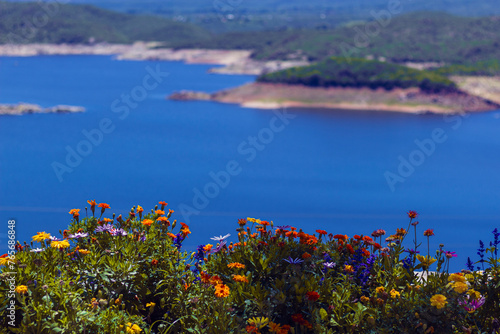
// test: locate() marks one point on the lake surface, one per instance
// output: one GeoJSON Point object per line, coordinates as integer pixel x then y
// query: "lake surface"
{"type": "Point", "coordinates": [307, 168]}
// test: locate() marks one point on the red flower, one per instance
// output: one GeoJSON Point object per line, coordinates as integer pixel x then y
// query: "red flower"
{"type": "Point", "coordinates": [357, 237]}
{"type": "Point", "coordinates": [412, 214]}
{"type": "Point", "coordinates": [429, 232]}
{"type": "Point", "coordinates": [312, 296]}
{"type": "Point", "coordinates": [103, 206]}
{"type": "Point", "coordinates": [298, 318]}
{"type": "Point", "coordinates": [154, 262]}
{"type": "Point", "coordinates": [321, 232]}
{"type": "Point", "coordinates": [350, 249]}
{"type": "Point", "coordinates": [340, 237]}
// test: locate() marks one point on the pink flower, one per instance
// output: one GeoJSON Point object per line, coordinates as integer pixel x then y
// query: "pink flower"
{"type": "Point", "coordinates": [471, 304]}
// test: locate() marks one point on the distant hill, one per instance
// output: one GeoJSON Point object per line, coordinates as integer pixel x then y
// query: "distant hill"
{"type": "Point", "coordinates": [28, 23]}
{"type": "Point", "coordinates": [357, 72]}
{"type": "Point", "coordinates": [242, 15]}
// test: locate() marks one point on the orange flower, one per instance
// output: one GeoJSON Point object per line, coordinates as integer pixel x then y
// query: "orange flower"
{"type": "Point", "coordinates": [412, 214]}
{"type": "Point", "coordinates": [171, 235]}
{"type": "Point", "coordinates": [341, 237]}
{"type": "Point", "coordinates": [252, 329]}
{"type": "Point", "coordinates": [103, 206]}
{"type": "Point", "coordinates": [429, 232]}
{"type": "Point", "coordinates": [139, 209]}
{"type": "Point", "coordinates": [164, 220]}
{"type": "Point", "coordinates": [242, 222]}
{"type": "Point", "coordinates": [221, 290]}
{"type": "Point", "coordinates": [154, 262]}
{"type": "Point", "coordinates": [236, 265]}
{"type": "Point", "coordinates": [365, 252]}
{"type": "Point", "coordinates": [321, 232]}
{"type": "Point", "coordinates": [162, 203]}
{"type": "Point", "coordinates": [107, 220]}
{"type": "Point", "coordinates": [186, 286]}
{"type": "Point", "coordinates": [92, 204]}
{"type": "Point", "coordinates": [207, 248]}
{"type": "Point", "coordinates": [74, 212]}
{"type": "Point", "coordinates": [215, 280]}
{"type": "Point", "coordinates": [185, 231]}
{"type": "Point", "coordinates": [306, 255]}
{"type": "Point", "coordinates": [401, 232]}
{"type": "Point", "coordinates": [240, 278]}
{"type": "Point", "coordinates": [205, 278]}
{"type": "Point", "coordinates": [160, 212]}
{"type": "Point", "coordinates": [350, 249]}
{"type": "Point", "coordinates": [348, 269]}
{"type": "Point", "coordinates": [147, 222]}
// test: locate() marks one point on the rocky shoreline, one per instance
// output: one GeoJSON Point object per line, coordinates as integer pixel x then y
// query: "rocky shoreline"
{"type": "Point", "coordinates": [232, 61]}
{"type": "Point", "coordinates": [276, 96]}
{"type": "Point", "coordinates": [27, 108]}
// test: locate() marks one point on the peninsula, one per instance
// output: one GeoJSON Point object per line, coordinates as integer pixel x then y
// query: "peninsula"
{"type": "Point", "coordinates": [27, 108]}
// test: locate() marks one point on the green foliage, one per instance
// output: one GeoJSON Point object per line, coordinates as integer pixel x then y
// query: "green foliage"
{"type": "Point", "coordinates": [356, 72]}
{"type": "Point", "coordinates": [130, 276]}
{"type": "Point", "coordinates": [487, 68]}
{"type": "Point", "coordinates": [63, 23]}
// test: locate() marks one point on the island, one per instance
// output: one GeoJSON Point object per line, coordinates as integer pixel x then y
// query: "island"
{"type": "Point", "coordinates": [28, 108]}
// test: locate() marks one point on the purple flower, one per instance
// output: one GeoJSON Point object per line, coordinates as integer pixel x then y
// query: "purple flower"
{"type": "Point", "coordinates": [219, 247]}
{"type": "Point", "coordinates": [118, 231]}
{"type": "Point", "coordinates": [78, 235]}
{"type": "Point", "coordinates": [471, 304]}
{"type": "Point", "coordinates": [293, 261]}
{"type": "Point", "coordinates": [104, 228]}
{"type": "Point", "coordinates": [283, 227]}
{"type": "Point", "coordinates": [221, 238]}
{"type": "Point", "coordinates": [411, 251]}
{"type": "Point", "coordinates": [329, 265]}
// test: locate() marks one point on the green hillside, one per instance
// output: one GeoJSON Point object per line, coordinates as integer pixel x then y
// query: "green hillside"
{"type": "Point", "coordinates": [29, 23]}
{"type": "Point", "coordinates": [356, 72]}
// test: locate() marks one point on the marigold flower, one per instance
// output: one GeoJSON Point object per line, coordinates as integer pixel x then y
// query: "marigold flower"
{"type": "Point", "coordinates": [306, 255]}
{"type": "Point", "coordinates": [348, 269]}
{"type": "Point", "coordinates": [147, 222]}
{"type": "Point", "coordinates": [341, 237]}
{"type": "Point", "coordinates": [139, 209]}
{"type": "Point", "coordinates": [394, 294]}
{"type": "Point", "coordinates": [60, 244]}
{"type": "Point", "coordinates": [242, 222]}
{"type": "Point", "coordinates": [103, 206]}
{"type": "Point", "coordinates": [401, 232]}
{"type": "Point", "coordinates": [429, 232]}
{"type": "Point", "coordinates": [298, 318]}
{"type": "Point", "coordinates": [236, 265]}
{"type": "Point", "coordinates": [378, 233]}
{"type": "Point", "coordinates": [321, 232]}
{"type": "Point", "coordinates": [412, 214]}
{"type": "Point", "coordinates": [364, 299]}
{"type": "Point", "coordinates": [22, 289]}
{"type": "Point", "coordinates": [185, 231]}
{"type": "Point", "coordinates": [221, 290]}
{"type": "Point", "coordinates": [439, 301]}
{"type": "Point", "coordinates": [380, 290]}
{"type": "Point", "coordinates": [154, 262]}
{"type": "Point", "coordinates": [458, 277]}
{"type": "Point", "coordinates": [350, 249]}
{"type": "Point", "coordinates": [252, 329]}
{"type": "Point", "coordinates": [264, 223]}
{"type": "Point", "coordinates": [133, 328]}
{"type": "Point", "coordinates": [365, 252]}
{"type": "Point", "coordinates": [207, 248]}
{"type": "Point", "coordinates": [240, 278]}
{"type": "Point", "coordinates": [74, 212]}
{"type": "Point", "coordinates": [84, 251]}
{"type": "Point", "coordinates": [275, 328]}
{"type": "Point", "coordinates": [460, 287]}
{"type": "Point", "coordinates": [215, 280]}
{"type": "Point", "coordinates": [41, 236]}
{"type": "Point", "coordinates": [160, 212]}
{"type": "Point", "coordinates": [312, 296]}
{"type": "Point", "coordinates": [107, 220]}
{"type": "Point", "coordinates": [92, 204]}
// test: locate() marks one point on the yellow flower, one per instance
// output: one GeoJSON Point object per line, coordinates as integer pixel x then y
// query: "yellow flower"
{"type": "Point", "coordinates": [258, 322]}
{"type": "Point", "coordinates": [41, 236]}
{"type": "Point", "coordinates": [22, 289]}
{"type": "Point", "coordinates": [380, 290]}
{"type": "Point", "coordinates": [150, 304]}
{"type": "Point", "coordinates": [251, 220]}
{"type": "Point", "coordinates": [456, 278]}
{"type": "Point", "coordinates": [460, 287]}
{"type": "Point", "coordinates": [240, 278]}
{"type": "Point", "coordinates": [474, 294]}
{"type": "Point", "coordinates": [60, 244]}
{"type": "Point", "coordinates": [439, 301]}
{"type": "Point", "coordinates": [364, 299]}
{"type": "Point", "coordinates": [426, 260]}
{"type": "Point", "coordinates": [207, 247]}
{"type": "Point", "coordinates": [348, 269]}
{"type": "Point", "coordinates": [84, 251]}
{"type": "Point", "coordinates": [139, 209]}
{"type": "Point", "coordinates": [133, 328]}
{"type": "Point", "coordinates": [395, 294]}
{"type": "Point", "coordinates": [4, 260]}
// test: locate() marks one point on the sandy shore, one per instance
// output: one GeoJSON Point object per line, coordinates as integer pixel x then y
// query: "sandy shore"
{"type": "Point", "coordinates": [275, 96]}
{"type": "Point", "coordinates": [232, 61]}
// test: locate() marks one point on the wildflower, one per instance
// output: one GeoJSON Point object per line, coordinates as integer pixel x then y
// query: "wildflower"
{"type": "Point", "coordinates": [221, 238]}
{"type": "Point", "coordinates": [412, 214]}
{"type": "Point", "coordinates": [92, 204]}
{"type": "Point", "coordinates": [429, 232]}
{"type": "Point", "coordinates": [164, 220]}
{"type": "Point", "coordinates": [160, 212]}
{"type": "Point", "coordinates": [306, 255]}
{"type": "Point", "coordinates": [104, 228]}
{"type": "Point", "coordinates": [117, 231]}
{"type": "Point", "coordinates": [103, 207]}
{"type": "Point", "coordinates": [379, 290]}
{"type": "Point", "coordinates": [59, 244]}
{"type": "Point", "coordinates": [341, 237]}
{"type": "Point", "coordinates": [221, 290]}
{"type": "Point", "coordinates": [139, 209]}
{"type": "Point", "coordinates": [147, 222]}
{"type": "Point", "coordinates": [415, 223]}
{"type": "Point", "coordinates": [459, 287]}
{"type": "Point", "coordinates": [154, 262]}
{"type": "Point", "coordinates": [449, 254]}
{"type": "Point", "coordinates": [133, 328]}
{"type": "Point", "coordinates": [350, 249]}
{"type": "Point", "coordinates": [348, 269]}
{"type": "Point", "coordinates": [107, 220]}
{"type": "Point", "coordinates": [207, 248]}
{"type": "Point", "coordinates": [78, 235]}
{"type": "Point", "coordinates": [258, 322]}
{"type": "Point", "coordinates": [329, 265]}
{"type": "Point", "coordinates": [84, 251]}
{"type": "Point", "coordinates": [312, 296]}
{"type": "Point", "coordinates": [251, 329]}
{"type": "Point", "coordinates": [240, 278]}
{"type": "Point", "coordinates": [364, 299]}
{"type": "Point", "coordinates": [41, 236]}
{"type": "Point", "coordinates": [236, 265]}
{"type": "Point", "coordinates": [150, 304]}
{"type": "Point", "coordinates": [293, 261]}
{"type": "Point", "coordinates": [378, 233]}
{"type": "Point", "coordinates": [439, 301]}
{"type": "Point", "coordinates": [458, 277]}
{"type": "Point", "coordinates": [321, 232]}
{"type": "Point", "coordinates": [22, 289]}
{"type": "Point", "coordinates": [474, 294]}
{"type": "Point", "coordinates": [426, 261]}
{"type": "Point", "coordinates": [75, 213]}
{"type": "Point", "coordinates": [283, 227]}
{"type": "Point", "coordinates": [401, 232]}
{"type": "Point", "coordinates": [472, 304]}
{"type": "Point", "coordinates": [275, 328]}
{"type": "Point", "coordinates": [264, 223]}
{"type": "Point", "coordinates": [394, 294]}
{"type": "Point", "coordinates": [36, 250]}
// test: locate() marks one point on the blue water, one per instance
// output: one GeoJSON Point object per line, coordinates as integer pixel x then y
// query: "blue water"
{"type": "Point", "coordinates": [322, 169]}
